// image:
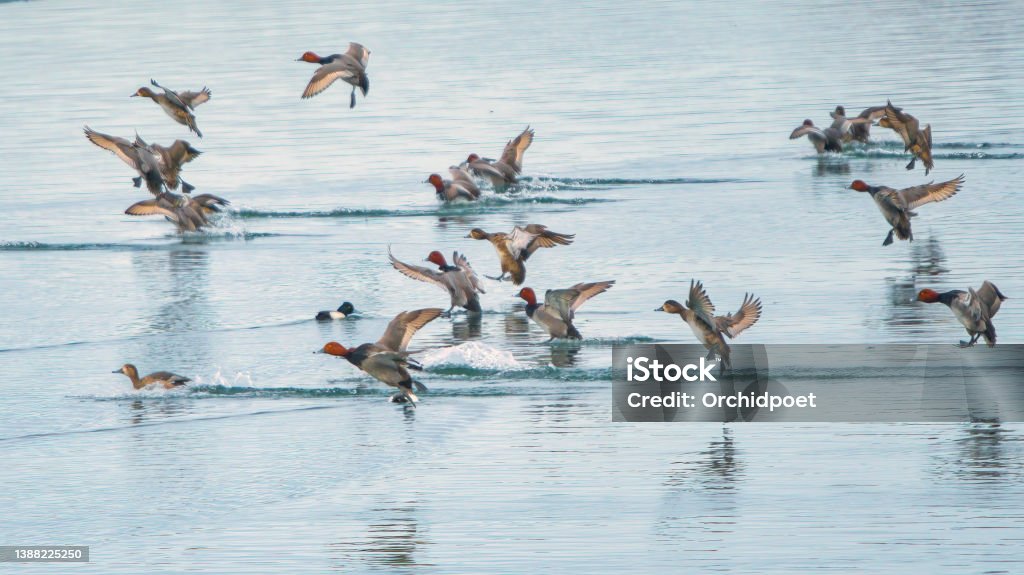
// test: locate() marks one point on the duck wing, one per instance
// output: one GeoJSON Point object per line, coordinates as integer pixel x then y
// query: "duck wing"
{"type": "Point", "coordinates": [903, 124]}
{"type": "Point", "coordinates": [809, 131]}
{"type": "Point", "coordinates": [528, 239]}
{"type": "Point", "coordinates": [156, 206]}
{"type": "Point", "coordinates": [734, 324]}
{"type": "Point", "coordinates": [700, 304]}
{"type": "Point", "coordinates": [990, 297]}
{"type": "Point", "coordinates": [120, 147]}
{"type": "Point", "coordinates": [401, 329]}
{"type": "Point", "coordinates": [463, 264]}
{"type": "Point", "coordinates": [193, 99]}
{"type": "Point", "coordinates": [930, 192]}
{"type": "Point", "coordinates": [173, 97]}
{"type": "Point", "coordinates": [874, 113]}
{"type": "Point", "coordinates": [464, 179]}
{"type": "Point", "coordinates": [359, 53]}
{"type": "Point", "coordinates": [514, 149]}
{"type": "Point", "coordinates": [172, 378]}
{"type": "Point", "coordinates": [210, 203]}
{"type": "Point", "coordinates": [328, 74]}
{"type": "Point", "coordinates": [419, 273]}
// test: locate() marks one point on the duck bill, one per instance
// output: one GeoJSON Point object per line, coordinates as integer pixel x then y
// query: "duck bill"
{"type": "Point", "coordinates": [659, 309]}
{"type": "Point", "coordinates": [116, 371]}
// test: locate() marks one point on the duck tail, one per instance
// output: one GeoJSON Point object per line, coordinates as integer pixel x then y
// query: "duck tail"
{"type": "Point", "coordinates": [518, 275]}
{"type": "Point", "coordinates": [364, 84]}
{"type": "Point", "coordinates": [574, 333]}
{"type": "Point", "coordinates": [473, 304]}
{"type": "Point", "coordinates": [888, 239]}
{"type": "Point", "coordinates": [990, 333]}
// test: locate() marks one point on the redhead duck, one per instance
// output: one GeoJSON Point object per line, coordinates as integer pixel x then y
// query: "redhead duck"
{"type": "Point", "coordinates": [450, 191]}
{"type": "Point", "coordinates": [515, 248]}
{"type": "Point", "coordinates": [177, 105]}
{"type": "Point", "coordinates": [167, 161]}
{"type": "Point", "coordinates": [387, 360]}
{"type": "Point", "coordinates": [342, 312]}
{"type": "Point", "coordinates": [555, 315]}
{"type": "Point", "coordinates": [915, 140]}
{"type": "Point", "coordinates": [896, 205]}
{"type": "Point", "coordinates": [459, 280]}
{"type": "Point", "coordinates": [860, 128]}
{"type": "Point", "coordinates": [164, 379]}
{"type": "Point", "coordinates": [188, 213]}
{"type": "Point", "coordinates": [350, 66]}
{"type": "Point", "coordinates": [974, 309]}
{"type": "Point", "coordinates": [504, 171]}
{"type": "Point", "coordinates": [828, 140]}
{"type": "Point", "coordinates": [699, 314]}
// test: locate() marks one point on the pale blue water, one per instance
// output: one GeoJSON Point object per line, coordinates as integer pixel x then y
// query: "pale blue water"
{"type": "Point", "coordinates": [661, 143]}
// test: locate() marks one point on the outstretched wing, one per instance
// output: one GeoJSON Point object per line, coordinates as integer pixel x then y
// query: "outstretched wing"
{"type": "Point", "coordinates": [514, 149]}
{"type": "Point", "coordinates": [418, 273]}
{"type": "Point", "coordinates": [401, 329]}
{"type": "Point", "coordinates": [990, 297]}
{"type": "Point", "coordinates": [120, 147]}
{"type": "Point", "coordinates": [589, 290]}
{"type": "Point", "coordinates": [700, 304]}
{"type": "Point", "coordinates": [930, 192]}
{"type": "Point", "coordinates": [327, 75]}
{"type": "Point", "coordinates": [463, 264]}
{"type": "Point", "coordinates": [526, 240]}
{"type": "Point", "coordinates": [873, 114]}
{"type": "Point", "coordinates": [193, 99]}
{"type": "Point", "coordinates": [903, 124]}
{"type": "Point", "coordinates": [151, 208]}
{"type": "Point", "coordinates": [734, 324]}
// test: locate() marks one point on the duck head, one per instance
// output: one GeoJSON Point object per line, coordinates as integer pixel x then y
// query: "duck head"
{"type": "Point", "coordinates": [334, 348]}
{"type": "Point", "coordinates": [144, 92]}
{"type": "Point", "coordinates": [311, 57]}
{"type": "Point", "coordinates": [808, 122]}
{"type": "Point", "coordinates": [928, 296]}
{"type": "Point", "coordinates": [528, 295]}
{"type": "Point", "coordinates": [477, 234]}
{"type": "Point", "coordinates": [840, 111]}
{"type": "Point", "coordinates": [435, 257]}
{"type": "Point", "coordinates": [347, 308]}
{"type": "Point", "coordinates": [127, 369]}
{"type": "Point", "coordinates": [859, 185]}
{"type": "Point", "coordinates": [438, 183]}
{"type": "Point", "coordinates": [670, 306]}
{"type": "Point", "coordinates": [472, 158]}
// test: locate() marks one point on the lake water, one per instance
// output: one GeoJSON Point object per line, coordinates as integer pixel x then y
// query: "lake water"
{"type": "Point", "coordinates": [661, 143]}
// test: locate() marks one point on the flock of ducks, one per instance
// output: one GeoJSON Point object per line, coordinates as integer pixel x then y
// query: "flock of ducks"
{"type": "Point", "coordinates": [388, 359]}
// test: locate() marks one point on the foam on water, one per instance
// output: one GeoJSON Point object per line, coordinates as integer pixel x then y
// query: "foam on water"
{"type": "Point", "coordinates": [472, 354]}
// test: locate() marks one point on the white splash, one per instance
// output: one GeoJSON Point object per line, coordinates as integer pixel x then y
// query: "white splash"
{"type": "Point", "coordinates": [471, 354]}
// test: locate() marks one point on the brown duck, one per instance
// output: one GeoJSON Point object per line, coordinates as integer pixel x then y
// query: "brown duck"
{"type": "Point", "coordinates": [516, 247]}
{"type": "Point", "coordinates": [915, 140]}
{"type": "Point", "coordinates": [711, 330]}
{"type": "Point", "coordinates": [177, 105]}
{"type": "Point", "coordinates": [164, 379]}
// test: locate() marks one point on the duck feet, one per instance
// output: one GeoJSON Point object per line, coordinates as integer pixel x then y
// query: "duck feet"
{"type": "Point", "coordinates": [137, 181]}
{"type": "Point", "coordinates": [913, 161]}
{"type": "Point", "coordinates": [352, 100]}
{"type": "Point", "coordinates": [399, 397]}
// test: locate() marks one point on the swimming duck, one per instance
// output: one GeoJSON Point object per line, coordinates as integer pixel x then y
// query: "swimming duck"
{"type": "Point", "coordinates": [164, 379]}
{"type": "Point", "coordinates": [177, 105]}
{"type": "Point", "coordinates": [166, 160]}
{"type": "Point", "coordinates": [699, 314]}
{"type": "Point", "coordinates": [504, 171]}
{"type": "Point", "coordinates": [828, 140]}
{"type": "Point", "coordinates": [350, 66]}
{"type": "Point", "coordinates": [555, 315]}
{"type": "Point", "coordinates": [896, 205]}
{"type": "Point", "coordinates": [450, 191]}
{"type": "Point", "coordinates": [859, 130]}
{"type": "Point", "coordinates": [515, 248]}
{"type": "Point", "coordinates": [459, 280]}
{"type": "Point", "coordinates": [188, 213]}
{"type": "Point", "coordinates": [342, 312]}
{"type": "Point", "coordinates": [974, 309]}
{"type": "Point", "coordinates": [387, 360]}
{"type": "Point", "coordinates": [915, 140]}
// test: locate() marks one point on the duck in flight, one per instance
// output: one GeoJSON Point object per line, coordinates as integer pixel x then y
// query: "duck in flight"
{"type": "Point", "coordinates": [503, 172]}
{"type": "Point", "coordinates": [516, 247]}
{"type": "Point", "coordinates": [897, 205]}
{"type": "Point", "coordinates": [458, 279]}
{"type": "Point", "coordinates": [145, 158]}
{"type": "Point", "coordinates": [711, 330]}
{"type": "Point", "coordinates": [178, 105]}
{"type": "Point", "coordinates": [387, 360]}
{"type": "Point", "coordinates": [558, 311]}
{"type": "Point", "coordinates": [974, 309]}
{"type": "Point", "coordinates": [350, 67]}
